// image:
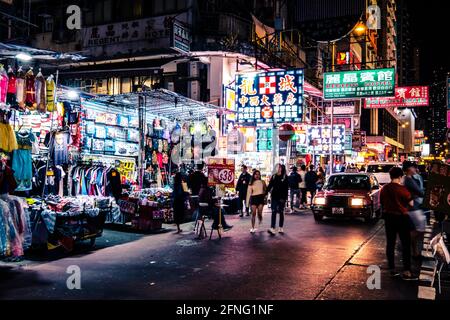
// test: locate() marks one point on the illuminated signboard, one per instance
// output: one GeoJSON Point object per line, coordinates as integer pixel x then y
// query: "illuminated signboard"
{"type": "Point", "coordinates": [340, 107]}
{"type": "Point", "coordinates": [346, 121]}
{"type": "Point", "coordinates": [319, 139]}
{"type": "Point", "coordinates": [448, 94]}
{"type": "Point", "coordinates": [265, 97]}
{"type": "Point", "coordinates": [417, 96]}
{"type": "Point", "coordinates": [359, 84]}
{"type": "Point", "coordinates": [264, 139]}
{"type": "Point", "coordinates": [448, 118]}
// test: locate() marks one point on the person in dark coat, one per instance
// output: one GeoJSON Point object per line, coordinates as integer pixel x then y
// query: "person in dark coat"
{"type": "Point", "coordinates": [294, 180]}
{"type": "Point", "coordinates": [205, 196]}
{"type": "Point", "coordinates": [311, 179]}
{"type": "Point", "coordinates": [278, 188]}
{"type": "Point", "coordinates": [196, 179]}
{"type": "Point", "coordinates": [179, 197]}
{"type": "Point", "coordinates": [241, 189]}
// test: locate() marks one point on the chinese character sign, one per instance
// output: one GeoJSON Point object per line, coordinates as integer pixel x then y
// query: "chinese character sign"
{"type": "Point", "coordinates": [319, 138]}
{"type": "Point", "coordinates": [404, 97]}
{"type": "Point", "coordinates": [264, 139]}
{"type": "Point", "coordinates": [270, 96]}
{"type": "Point", "coordinates": [359, 84]}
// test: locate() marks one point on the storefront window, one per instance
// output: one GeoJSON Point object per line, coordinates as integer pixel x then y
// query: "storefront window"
{"type": "Point", "coordinates": [126, 85]}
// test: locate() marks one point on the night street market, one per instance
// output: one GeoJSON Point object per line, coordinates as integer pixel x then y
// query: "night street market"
{"type": "Point", "coordinates": [203, 151]}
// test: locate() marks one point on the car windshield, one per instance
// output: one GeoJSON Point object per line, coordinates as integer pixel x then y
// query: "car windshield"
{"type": "Point", "coordinates": [348, 182]}
{"type": "Point", "coordinates": [379, 168]}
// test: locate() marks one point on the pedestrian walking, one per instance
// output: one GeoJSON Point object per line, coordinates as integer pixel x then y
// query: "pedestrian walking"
{"type": "Point", "coordinates": [256, 196]}
{"type": "Point", "coordinates": [241, 189]}
{"type": "Point", "coordinates": [278, 188]}
{"type": "Point", "coordinates": [311, 182]}
{"type": "Point", "coordinates": [294, 180]}
{"type": "Point", "coordinates": [302, 174]}
{"type": "Point", "coordinates": [396, 200]}
{"type": "Point", "coordinates": [415, 212]}
{"type": "Point", "coordinates": [179, 198]}
{"type": "Point", "coordinates": [320, 178]}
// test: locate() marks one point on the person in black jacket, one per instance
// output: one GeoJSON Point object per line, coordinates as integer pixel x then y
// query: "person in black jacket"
{"type": "Point", "coordinates": [278, 187]}
{"type": "Point", "coordinates": [311, 182]}
{"type": "Point", "coordinates": [241, 188]}
{"type": "Point", "coordinates": [294, 180]}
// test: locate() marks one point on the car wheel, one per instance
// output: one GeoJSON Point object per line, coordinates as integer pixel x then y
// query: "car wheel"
{"type": "Point", "coordinates": [318, 217]}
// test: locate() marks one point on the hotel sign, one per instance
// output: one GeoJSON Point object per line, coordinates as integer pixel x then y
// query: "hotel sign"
{"type": "Point", "coordinates": [359, 84]}
{"type": "Point", "coordinates": [417, 96]}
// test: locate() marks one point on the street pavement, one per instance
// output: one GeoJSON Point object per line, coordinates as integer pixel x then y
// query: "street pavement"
{"type": "Point", "coordinates": [327, 260]}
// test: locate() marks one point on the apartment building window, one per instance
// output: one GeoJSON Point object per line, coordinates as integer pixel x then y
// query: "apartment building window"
{"type": "Point", "coordinates": [162, 7]}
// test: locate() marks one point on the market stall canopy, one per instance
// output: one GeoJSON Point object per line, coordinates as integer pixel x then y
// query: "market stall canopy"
{"type": "Point", "coordinates": [12, 50]}
{"type": "Point", "coordinates": [164, 103]}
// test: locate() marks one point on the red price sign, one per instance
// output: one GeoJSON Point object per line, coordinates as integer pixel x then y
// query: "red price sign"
{"type": "Point", "coordinates": [221, 172]}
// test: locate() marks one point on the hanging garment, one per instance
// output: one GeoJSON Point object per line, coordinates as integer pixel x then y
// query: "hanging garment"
{"type": "Point", "coordinates": [22, 164]}
{"type": "Point", "coordinates": [48, 180]}
{"type": "Point", "coordinates": [58, 145]}
{"type": "Point", "coordinates": [5, 248]}
{"type": "Point", "coordinates": [3, 84]}
{"type": "Point", "coordinates": [50, 96]}
{"type": "Point", "coordinates": [7, 182]}
{"type": "Point", "coordinates": [8, 141]}
{"type": "Point", "coordinates": [20, 88]}
{"type": "Point", "coordinates": [41, 93]}
{"type": "Point", "coordinates": [11, 92]}
{"type": "Point", "coordinates": [114, 185]}
{"type": "Point", "coordinates": [30, 97]}
{"type": "Point", "coordinates": [160, 160]}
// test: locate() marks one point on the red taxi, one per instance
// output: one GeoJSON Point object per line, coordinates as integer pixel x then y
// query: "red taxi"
{"type": "Point", "coordinates": [355, 195]}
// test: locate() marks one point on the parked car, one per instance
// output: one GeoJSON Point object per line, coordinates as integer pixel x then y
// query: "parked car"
{"type": "Point", "coordinates": [354, 195]}
{"type": "Point", "coordinates": [381, 170]}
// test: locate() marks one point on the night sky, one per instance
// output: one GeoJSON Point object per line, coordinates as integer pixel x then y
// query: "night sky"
{"type": "Point", "coordinates": [430, 23]}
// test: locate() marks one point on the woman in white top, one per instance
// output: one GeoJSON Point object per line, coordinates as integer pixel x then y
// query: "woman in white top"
{"type": "Point", "coordinates": [256, 194]}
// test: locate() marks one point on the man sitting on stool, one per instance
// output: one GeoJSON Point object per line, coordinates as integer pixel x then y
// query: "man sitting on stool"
{"type": "Point", "coordinates": [212, 210]}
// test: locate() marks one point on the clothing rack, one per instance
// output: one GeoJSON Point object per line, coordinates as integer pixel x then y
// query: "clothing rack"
{"type": "Point", "coordinates": [52, 136]}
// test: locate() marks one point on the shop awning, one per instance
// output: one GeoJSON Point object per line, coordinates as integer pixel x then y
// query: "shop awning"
{"type": "Point", "coordinates": [309, 89]}
{"type": "Point", "coordinates": [163, 103]}
{"type": "Point", "coordinates": [11, 50]}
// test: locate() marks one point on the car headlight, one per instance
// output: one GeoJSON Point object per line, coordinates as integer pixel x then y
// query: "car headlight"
{"type": "Point", "coordinates": [357, 202]}
{"type": "Point", "coordinates": [320, 201]}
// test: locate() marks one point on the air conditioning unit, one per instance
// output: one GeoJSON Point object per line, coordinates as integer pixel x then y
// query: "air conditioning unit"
{"type": "Point", "coordinates": [194, 90]}
{"type": "Point", "coordinates": [194, 69]}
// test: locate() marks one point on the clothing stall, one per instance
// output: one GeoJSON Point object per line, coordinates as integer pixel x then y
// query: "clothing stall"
{"type": "Point", "coordinates": [40, 140]}
{"type": "Point", "coordinates": [164, 126]}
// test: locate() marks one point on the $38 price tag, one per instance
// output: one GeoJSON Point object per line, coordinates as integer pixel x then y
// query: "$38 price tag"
{"type": "Point", "coordinates": [226, 176]}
